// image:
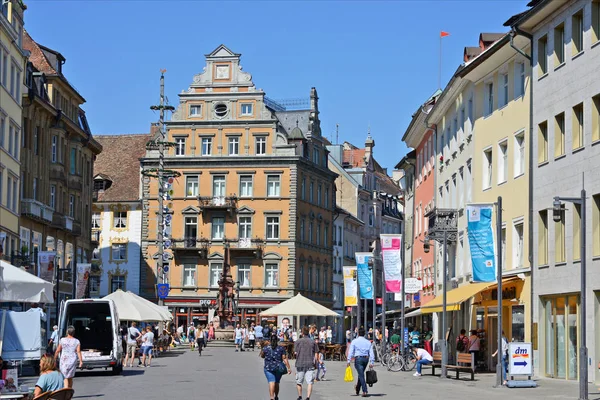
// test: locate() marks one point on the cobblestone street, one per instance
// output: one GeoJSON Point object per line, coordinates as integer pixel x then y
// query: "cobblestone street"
{"type": "Point", "coordinates": [223, 374]}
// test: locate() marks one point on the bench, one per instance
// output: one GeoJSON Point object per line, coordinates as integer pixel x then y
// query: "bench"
{"type": "Point", "coordinates": [462, 358]}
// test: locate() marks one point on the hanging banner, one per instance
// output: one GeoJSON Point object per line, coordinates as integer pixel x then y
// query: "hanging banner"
{"type": "Point", "coordinates": [83, 274]}
{"type": "Point", "coordinates": [365, 275]}
{"type": "Point", "coordinates": [46, 265]}
{"type": "Point", "coordinates": [392, 262]}
{"type": "Point", "coordinates": [350, 292]}
{"type": "Point", "coordinates": [481, 242]}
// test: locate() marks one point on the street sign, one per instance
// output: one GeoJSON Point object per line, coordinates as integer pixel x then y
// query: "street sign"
{"type": "Point", "coordinates": [379, 301]}
{"type": "Point", "coordinates": [405, 337]}
{"type": "Point", "coordinates": [162, 290]}
{"type": "Point", "coordinates": [413, 285]}
{"type": "Point", "coordinates": [519, 359]}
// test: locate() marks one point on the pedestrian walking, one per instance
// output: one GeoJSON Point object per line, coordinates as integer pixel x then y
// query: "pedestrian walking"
{"type": "Point", "coordinates": [321, 365]}
{"type": "Point", "coordinates": [239, 336]}
{"type": "Point", "coordinates": [462, 342]}
{"type": "Point", "coordinates": [192, 336]}
{"type": "Point", "coordinates": [258, 334]}
{"type": "Point", "coordinates": [251, 338]}
{"type": "Point", "coordinates": [244, 337]}
{"type": "Point", "coordinates": [200, 339]}
{"type": "Point", "coordinates": [69, 350]}
{"type": "Point", "coordinates": [147, 345]}
{"type": "Point", "coordinates": [306, 350]}
{"type": "Point", "coordinates": [276, 364]}
{"type": "Point", "coordinates": [133, 335]}
{"type": "Point", "coordinates": [423, 358]}
{"type": "Point", "coordinates": [53, 342]}
{"type": "Point", "coordinates": [361, 351]}
{"type": "Point", "coordinates": [211, 331]}
{"type": "Point", "coordinates": [474, 345]}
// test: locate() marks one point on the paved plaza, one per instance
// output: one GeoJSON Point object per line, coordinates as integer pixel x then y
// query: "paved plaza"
{"type": "Point", "coordinates": [223, 374]}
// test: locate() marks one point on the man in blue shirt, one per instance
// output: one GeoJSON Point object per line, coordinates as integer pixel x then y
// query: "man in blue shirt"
{"type": "Point", "coordinates": [361, 351]}
{"type": "Point", "coordinates": [258, 332]}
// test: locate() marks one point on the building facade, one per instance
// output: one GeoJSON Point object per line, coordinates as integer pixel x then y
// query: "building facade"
{"type": "Point", "coordinates": [254, 183]}
{"type": "Point", "coordinates": [566, 115]}
{"type": "Point", "coordinates": [421, 137]}
{"type": "Point", "coordinates": [12, 74]}
{"type": "Point", "coordinates": [117, 215]}
{"type": "Point", "coordinates": [57, 159]}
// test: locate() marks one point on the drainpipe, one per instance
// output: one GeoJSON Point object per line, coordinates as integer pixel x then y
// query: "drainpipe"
{"type": "Point", "coordinates": [514, 32]}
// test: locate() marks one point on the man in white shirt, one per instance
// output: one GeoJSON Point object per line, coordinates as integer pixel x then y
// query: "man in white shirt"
{"type": "Point", "coordinates": [423, 358]}
{"type": "Point", "coordinates": [147, 345]}
{"type": "Point", "coordinates": [322, 335]}
{"type": "Point", "coordinates": [239, 336]}
{"type": "Point", "coordinates": [329, 335]}
{"type": "Point", "coordinates": [133, 334]}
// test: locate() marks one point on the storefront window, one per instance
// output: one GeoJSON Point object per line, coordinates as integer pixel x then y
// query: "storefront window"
{"type": "Point", "coordinates": [561, 337]}
{"type": "Point", "coordinates": [572, 342]}
{"type": "Point", "coordinates": [518, 323]}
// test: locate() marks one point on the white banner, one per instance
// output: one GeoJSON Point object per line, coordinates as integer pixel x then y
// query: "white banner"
{"type": "Point", "coordinates": [391, 247]}
{"type": "Point", "coordinates": [413, 285]}
{"type": "Point", "coordinates": [350, 287]}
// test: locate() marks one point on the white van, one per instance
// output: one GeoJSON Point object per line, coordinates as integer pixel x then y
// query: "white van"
{"type": "Point", "coordinates": [96, 325]}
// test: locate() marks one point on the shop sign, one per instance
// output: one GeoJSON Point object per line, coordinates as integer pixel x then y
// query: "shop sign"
{"type": "Point", "coordinates": [413, 285]}
{"type": "Point", "coordinates": [250, 311]}
{"type": "Point", "coordinates": [519, 359]}
{"type": "Point", "coordinates": [205, 303]}
{"type": "Point", "coordinates": [507, 294]}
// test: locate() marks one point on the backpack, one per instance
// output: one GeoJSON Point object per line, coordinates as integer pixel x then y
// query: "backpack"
{"type": "Point", "coordinates": [460, 346]}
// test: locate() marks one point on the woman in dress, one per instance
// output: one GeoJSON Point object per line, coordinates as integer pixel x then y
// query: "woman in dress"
{"type": "Point", "coordinates": [200, 339]}
{"type": "Point", "coordinates": [211, 332]}
{"type": "Point", "coordinates": [276, 363]}
{"type": "Point", "coordinates": [50, 379]}
{"type": "Point", "coordinates": [69, 350]}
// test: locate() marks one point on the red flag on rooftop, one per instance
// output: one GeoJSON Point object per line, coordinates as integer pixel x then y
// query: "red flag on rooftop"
{"type": "Point", "coordinates": [444, 34]}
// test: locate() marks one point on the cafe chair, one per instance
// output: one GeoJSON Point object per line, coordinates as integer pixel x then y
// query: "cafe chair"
{"type": "Point", "coordinates": [43, 396]}
{"type": "Point", "coordinates": [62, 394]}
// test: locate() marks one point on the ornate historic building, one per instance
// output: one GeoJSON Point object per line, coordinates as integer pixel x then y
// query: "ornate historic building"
{"type": "Point", "coordinates": [117, 215]}
{"type": "Point", "coordinates": [57, 159]}
{"type": "Point", "coordinates": [255, 183]}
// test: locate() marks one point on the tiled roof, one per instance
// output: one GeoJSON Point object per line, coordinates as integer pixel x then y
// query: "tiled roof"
{"type": "Point", "coordinates": [37, 56]}
{"type": "Point", "coordinates": [119, 160]}
{"type": "Point", "coordinates": [355, 158]}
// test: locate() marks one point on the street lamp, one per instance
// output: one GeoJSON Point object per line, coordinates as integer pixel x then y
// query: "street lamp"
{"type": "Point", "coordinates": [558, 210]}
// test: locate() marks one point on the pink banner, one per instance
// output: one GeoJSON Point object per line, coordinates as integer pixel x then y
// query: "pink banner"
{"type": "Point", "coordinates": [392, 262]}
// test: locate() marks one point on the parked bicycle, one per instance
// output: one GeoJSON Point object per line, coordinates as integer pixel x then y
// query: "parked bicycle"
{"type": "Point", "coordinates": [402, 362]}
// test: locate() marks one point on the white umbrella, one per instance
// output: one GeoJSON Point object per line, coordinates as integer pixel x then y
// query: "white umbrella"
{"type": "Point", "coordinates": [300, 306]}
{"type": "Point", "coordinates": [167, 316]}
{"type": "Point", "coordinates": [131, 309]}
{"type": "Point", "coordinates": [22, 287]}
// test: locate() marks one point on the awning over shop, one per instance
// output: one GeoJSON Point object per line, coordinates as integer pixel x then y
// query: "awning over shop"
{"type": "Point", "coordinates": [455, 297]}
{"type": "Point", "coordinates": [414, 313]}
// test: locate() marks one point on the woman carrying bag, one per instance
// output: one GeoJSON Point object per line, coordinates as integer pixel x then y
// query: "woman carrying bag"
{"type": "Point", "coordinates": [276, 365]}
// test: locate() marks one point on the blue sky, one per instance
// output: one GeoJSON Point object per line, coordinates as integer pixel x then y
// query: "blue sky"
{"type": "Point", "coordinates": [373, 63]}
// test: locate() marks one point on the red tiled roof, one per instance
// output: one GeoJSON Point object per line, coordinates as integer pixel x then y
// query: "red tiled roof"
{"type": "Point", "coordinates": [37, 57]}
{"type": "Point", "coordinates": [356, 157]}
{"type": "Point", "coordinates": [119, 160]}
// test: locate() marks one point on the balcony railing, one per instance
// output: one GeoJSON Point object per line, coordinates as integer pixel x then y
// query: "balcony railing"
{"type": "Point", "coordinates": [218, 203]}
{"type": "Point", "coordinates": [69, 223]}
{"type": "Point", "coordinates": [31, 208]}
{"type": "Point", "coordinates": [47, 214]}
{"type": "Point", "coordinates": [76, 228]}
{"type": "Point", "coordinates": [255, 245]}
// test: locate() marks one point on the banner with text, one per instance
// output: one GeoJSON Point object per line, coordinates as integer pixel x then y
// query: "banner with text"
{"type": "Point", "coordinates": [83, 274]}
{"type": "Point", "coordinates": [46, 265]}
{"type": "Point", "coordinates": [481, 242]}
{"type": "Point", "coordinates": [391, 246]}
{"type": "Point", "coordinates": [365, 275]}
{"type": "Point", "coordinates": [350, 292]}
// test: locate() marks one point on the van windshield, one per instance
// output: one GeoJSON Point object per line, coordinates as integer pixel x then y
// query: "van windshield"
{"type": "Point", "coordinates": [93, 325]}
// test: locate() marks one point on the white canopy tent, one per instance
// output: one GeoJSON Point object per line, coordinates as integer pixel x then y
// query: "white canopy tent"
{"type": "Point", "coordinates": [17, 285]}
{"type": "Point", "coordinates": [166, 314]}
{"type": "Point", "coordinates": [131, 308]}
{"type": "Point", "coordinates": [299, 306]}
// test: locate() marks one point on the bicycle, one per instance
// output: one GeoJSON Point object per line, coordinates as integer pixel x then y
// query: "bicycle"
{"type": "Point", "coordinates": [402, 362]}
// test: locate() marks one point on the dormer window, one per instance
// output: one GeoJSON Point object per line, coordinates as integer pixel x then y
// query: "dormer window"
{"type": "Point", "coordinates": [246, 109]}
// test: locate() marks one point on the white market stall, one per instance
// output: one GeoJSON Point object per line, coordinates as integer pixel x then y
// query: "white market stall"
{"type": "Point", "coordinates": [19, 286]}
{"type": "Point", "coordinates": [299, 306]}
{"type": "Point", "coordinates": [134, 308]}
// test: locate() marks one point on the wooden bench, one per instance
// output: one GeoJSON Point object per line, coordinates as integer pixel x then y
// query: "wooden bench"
{"type": "Point", "coordinates": [462, 358]}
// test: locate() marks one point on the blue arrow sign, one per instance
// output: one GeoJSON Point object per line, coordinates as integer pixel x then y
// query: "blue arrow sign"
{"type": "Point", "coordinates": [520, 363]}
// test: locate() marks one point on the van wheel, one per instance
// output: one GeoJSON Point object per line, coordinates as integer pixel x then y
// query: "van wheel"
{"type": "Point", "coordinates": [117, 369]}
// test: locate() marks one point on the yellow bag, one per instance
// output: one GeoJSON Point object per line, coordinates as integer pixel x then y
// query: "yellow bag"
{"type": "Point", "coordinates": [348, 376]}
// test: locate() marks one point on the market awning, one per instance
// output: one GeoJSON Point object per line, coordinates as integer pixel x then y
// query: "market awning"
{"type": "Point", "coordinates": [414, 313]}
{"type": "Point", "coordinates": [455, 297]}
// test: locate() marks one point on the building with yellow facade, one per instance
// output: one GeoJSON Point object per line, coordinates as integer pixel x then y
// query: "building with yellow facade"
{"type": "Point", "coordinates": [255, 183]}
{"type": "Point", "coordinates": [12, 68]}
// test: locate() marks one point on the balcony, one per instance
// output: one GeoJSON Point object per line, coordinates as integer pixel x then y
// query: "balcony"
{"type": "Point", "coordinates": [241, 245]}
{"type": "Point", "coordinates": [192, 244]}
{"type": "Point", "coordinates": [76, 228]}
{"type": "Point", "coordinates": [31, 208]}
{"type": "Point", "coordinates": [75, 182]}
{"type": "Point", "coordinates": [57, 172]}
{"type": "Point", "coordinates": [61, 221]}
{"type": "Point", "coordinates": [47, 214]}
{"type": "Point", "coordinates": [218, 203]}
{"type": "Point", "coordinates": [69, 223]}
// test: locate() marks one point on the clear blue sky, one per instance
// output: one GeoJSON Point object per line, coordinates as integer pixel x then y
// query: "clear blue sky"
{"type": "Point", "coordinates": [371, 62]}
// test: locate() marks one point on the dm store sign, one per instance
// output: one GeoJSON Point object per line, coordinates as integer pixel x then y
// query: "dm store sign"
{"type": "Point", "coordinates": [519, 359]}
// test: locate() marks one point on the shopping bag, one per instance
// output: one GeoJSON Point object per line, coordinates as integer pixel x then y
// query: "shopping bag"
{"type": "Point", "coordinates": [348, 376]}
{"type": "Point", "coordinates": [371, 377]}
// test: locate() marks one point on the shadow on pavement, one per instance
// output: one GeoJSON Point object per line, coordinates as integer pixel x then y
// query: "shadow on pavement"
{"type": "Point", "coordinates": [87, 396]}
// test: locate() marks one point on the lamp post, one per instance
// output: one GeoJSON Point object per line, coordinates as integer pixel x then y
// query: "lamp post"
{"type": "Point", "coordinates": [57, 279]}
{"type": "Point", "coordinates": [443, 229]}
{"type": "Point", "coordinates": [557, 215]}
{"type": "Point", "coordinates": [358, 305]}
